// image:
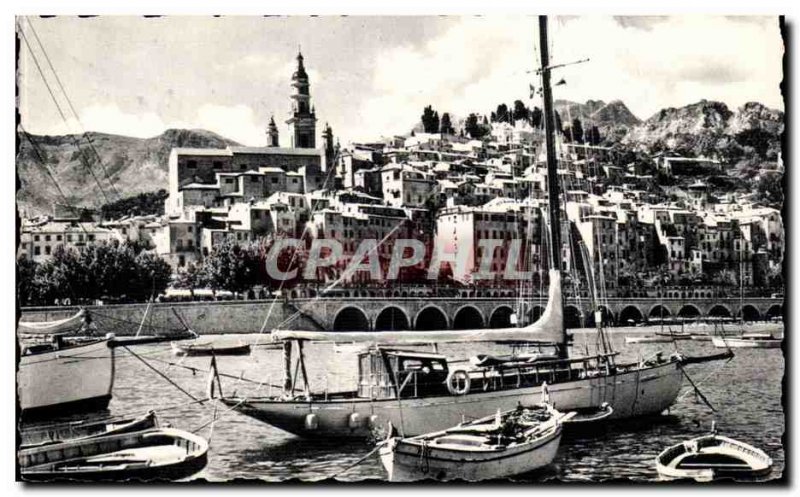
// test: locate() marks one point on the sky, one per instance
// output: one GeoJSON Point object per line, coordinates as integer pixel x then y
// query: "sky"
{"type": "Point", "coordinates": [372, 76]}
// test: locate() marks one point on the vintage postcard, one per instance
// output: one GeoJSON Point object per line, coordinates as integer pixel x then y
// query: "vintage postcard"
{"type": "Point", "coordinates": [393, 249]}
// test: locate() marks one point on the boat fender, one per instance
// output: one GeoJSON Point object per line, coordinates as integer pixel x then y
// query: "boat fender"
{"type": "Point", "coordinates": [458, 382]}
{"type": "Point", "coordinates": [354, 421]}
{"type": "Point", "coordinates": [311, 422]}
{"type": "Point", "coordinates": [373, 421]}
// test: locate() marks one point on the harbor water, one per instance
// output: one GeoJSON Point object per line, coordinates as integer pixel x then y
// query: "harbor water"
{"type": "Point", "coordinates": [745, 392]}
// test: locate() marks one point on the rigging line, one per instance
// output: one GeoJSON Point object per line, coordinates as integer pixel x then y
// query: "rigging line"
{"type": "Point", "coordinates": [72, 108]}
{"type": "Point", "coordinates": [159, 373]}
{"type": "Point", "coordinates": [50, 174]}
{"type": "Point", "coordinates": [85, 161]}
{"type": "Point", "coordinates": [434, 191]}
{"type": "Point", "coordinates": [314, 208]}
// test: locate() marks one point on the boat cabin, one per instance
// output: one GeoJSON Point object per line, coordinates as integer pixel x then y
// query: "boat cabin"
{"type": "Point", "coordinates": [385, 373]}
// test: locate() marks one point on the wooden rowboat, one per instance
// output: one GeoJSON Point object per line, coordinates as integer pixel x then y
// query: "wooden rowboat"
{"type": "Point", "coordinates": [38, 435]}
{"type": "Point", "coordinates": [712, 457]}
{"type": "Point", "coordinates": [747, 342]}
{"type": "Point", "coordinates": [209, 349]}
{"type": "Point", "coordinates": [150, 455]}
{"type": "Point", "coordinates": [658, 339]}
{"type": "Point", "coordinates": [498, 446]}
{"type": "Point", "coordinates": [586, 417]}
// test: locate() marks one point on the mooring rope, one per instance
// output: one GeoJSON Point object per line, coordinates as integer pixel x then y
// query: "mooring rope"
{"type": "Point", "coordinates": [362, 459]}
{"type": "Point", "coordinates": [159, 373]}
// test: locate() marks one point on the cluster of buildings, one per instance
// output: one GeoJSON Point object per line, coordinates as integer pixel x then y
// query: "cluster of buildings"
{"type": "Point", "coordinates": [445, 190]}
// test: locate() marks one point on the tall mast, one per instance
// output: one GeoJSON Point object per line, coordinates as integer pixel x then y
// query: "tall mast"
{"type": "Point", "coordinates": [552, 166]}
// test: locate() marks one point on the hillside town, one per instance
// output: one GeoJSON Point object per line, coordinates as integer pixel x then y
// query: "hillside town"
{"type": "Point", "coordinates": [451, 189]}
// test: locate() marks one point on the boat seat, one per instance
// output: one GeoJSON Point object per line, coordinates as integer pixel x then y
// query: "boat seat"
{"type": "Point", "coordinates": [460, 440]}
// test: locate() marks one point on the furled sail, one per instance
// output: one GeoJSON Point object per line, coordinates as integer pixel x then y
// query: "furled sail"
{"type": "Point", "coordinates": [548, 328]}
{"type": "Point", "coordinates": [60, 327]}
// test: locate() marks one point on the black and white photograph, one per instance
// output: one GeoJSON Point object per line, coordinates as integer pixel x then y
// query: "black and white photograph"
{"type": "Point", "coordinates": [518, 249]}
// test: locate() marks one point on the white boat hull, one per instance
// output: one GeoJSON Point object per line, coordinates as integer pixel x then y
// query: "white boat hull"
{"type": "Point", "coordinates": [406, 460]}
{"type": "Point", "coordinates": [746, 343]}
{"type": "Point", "coordinates": [643, 392]}
{"type": "Point", "coordinates": [73, 379]}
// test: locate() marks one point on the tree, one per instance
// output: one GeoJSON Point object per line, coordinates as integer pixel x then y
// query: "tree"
{"type": "Point", "coordinates": [502, 114]}
{"type": "Point", "coordinates": [520, 111]}
{"type": "Point", "coordinates": [153, 275]}
{"type": "Point", "coordinates": [473, 128]}
{"type": "Point", "coordinates": [430, 120]}
{"type": "Point", "coordinates": [577, 130]}
{"type": "Point", "coordinates": [26, 270]}
{"type": "Point", "coordinates": [536, 117]}
{"type": "Point", "coordinates": [190, 277]}
{"type": "Point", "coordinates": [593, 136]}
{"type": "Point", "coordinates": [445, 126]}
{"type": "Point", "coordinates": [231, 267]}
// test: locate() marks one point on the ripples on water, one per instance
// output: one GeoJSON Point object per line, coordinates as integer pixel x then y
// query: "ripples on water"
{"type": "Point", "coordinates": [746, 393]}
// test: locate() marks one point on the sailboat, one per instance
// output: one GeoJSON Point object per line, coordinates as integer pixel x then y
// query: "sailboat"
{"type": "Point", "coordinates": [746, 340]}
{"type": "Point", "coordinates": [420, 392]}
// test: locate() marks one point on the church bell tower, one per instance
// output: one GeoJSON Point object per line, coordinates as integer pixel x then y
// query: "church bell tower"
{"type": "Point", "coordinates": [302, 120]}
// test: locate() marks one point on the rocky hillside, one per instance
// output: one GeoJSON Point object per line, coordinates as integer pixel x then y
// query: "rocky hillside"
{"type": "Point", "coordinates": [605, 116]}
{"type": "Point", "coordinates": [134, 165]}
{"type": "Point", "coordinates": [709, 128]}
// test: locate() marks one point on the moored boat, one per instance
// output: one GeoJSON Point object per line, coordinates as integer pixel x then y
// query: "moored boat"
{"type": "Point", "coordinates": [712, 457]}
{"type": "Point", "coordinates": [78, 430]}
{"type": "Point", "coordinates": [649, 339]}
{"type": "Point", "coordinates": [209, 349]}
{"type": "Point", "coordinates": [590, 416]}
{"type": "Point", "coordinates": [747, 342]}
{"type": "Point", "coordinates": [150, 455]}
{"type": "Point", "coordinates": [63, 377]}
{"type": "Point", "coordinates": [511, 443]}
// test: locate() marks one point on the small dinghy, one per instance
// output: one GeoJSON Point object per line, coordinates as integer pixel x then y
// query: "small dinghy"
{"type": "Point", "coordinates": [649, 339]}
{"type": "Point", "coordinates": [748, 341]}
{"type": "Point", "coordinates": [209, 349]}
{"type": "Point", "coordinates": [712, 457]}
{"type": "Point", "coordinates": [587, 417]}
{"type": "Point", "coordinates": [150, 455]}
{"type": "Point", "coordinates": [506, 444]}
{"type": "Point", "coordinates": [675, 335]}
{"type": "Point", "coordinates": [38, 435]}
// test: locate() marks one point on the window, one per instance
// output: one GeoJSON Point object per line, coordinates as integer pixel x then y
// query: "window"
{"type": "Point", "coordinates": [90, 237]}
{"type": "Point", "coordinates": [190, 243]}
{"type": "Point", "coordinates": [124, 231]}
{"type": "Point", "coordinates": [179, 243]}
{"type": "Point", "coordinates": [253, 179]}
{"type": "Point", "coordinates": [190, 229]}
{"type": "Point", "coordinates": [35, 238]}
{"type": "Point", "coordinates": [181, 261]}
{"type": "Point", "coordinates": [36, 250]}
{"type": "Point", "coordinates": [228, 181]}
{"type": "Point", "coordinates": [47, 239]}
{"type": "Point", "coordinates": [294, 181]}
{"type": "Point", "coordinates": [80, 238]}
{"type": "Point", "coordinates": [192, 164]}
{"type": "Point", "coordinates": [47, 250]}
{"type": "Point", "coordinates": [217, 164]}
{"type": "Point", "coordinates": [274, 180]}
{"type": "Point", "coordinates": [58, 238]}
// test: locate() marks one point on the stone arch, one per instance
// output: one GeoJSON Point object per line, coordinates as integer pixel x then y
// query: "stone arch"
{"type": "Point", "coordinates": [501, 317]}
{"type": "Point", "coordinates": [608, 317]}
{"type": "Point", "coordinates": [572, 317]}
{"type": "Point", "coordinates": [351, 318]}
{"type": "Point", "coordinates": [657, 311]}
{"type": "Point", "coordinates": [536, 312]}
{"type": "Point", "coordinates": [749, 312]}
{"type": "Point", "coordinates": [689, 312]}
{"type": "Point", "coordinates": [719, 311]}
{"type": "Point", "coordinates": [774, 311]}
{"type": "Point", "coordinates": [392, 318]}
{"type": "Point", "coordinates": [468, 317]}
{"type": "Point", "coordinates": [431, 317]}
{"type": "Point", "coordinates": [630, 314]}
